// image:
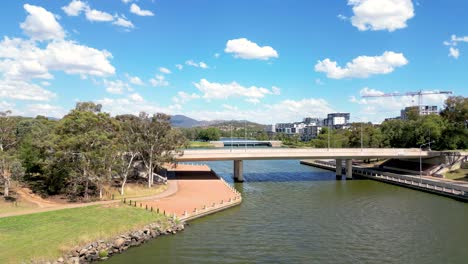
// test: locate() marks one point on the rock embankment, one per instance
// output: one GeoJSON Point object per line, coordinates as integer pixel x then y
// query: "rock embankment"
{"type": "Point", "coordinates": [103, 249]}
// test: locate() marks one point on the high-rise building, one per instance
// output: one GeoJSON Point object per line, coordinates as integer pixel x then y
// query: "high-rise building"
{"type": "Point", "coordinates": [337, 120]}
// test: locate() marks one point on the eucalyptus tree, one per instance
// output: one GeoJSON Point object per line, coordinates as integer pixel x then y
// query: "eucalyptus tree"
{"type": "Point", "coordinates": [85, 138]}
{"type": "Point", "coordinates": [10, 167]}
{"type": "Point", "coordinates": [157, 142]}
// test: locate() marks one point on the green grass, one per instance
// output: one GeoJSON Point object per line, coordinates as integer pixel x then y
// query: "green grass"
{"type": "Point", "coordinates": [200, 144]}
{"type": "Point", "coordinates": [47, 236]}
{"type": "Point", "coordinates": [11, 207]}
{"type": "Point", "coordinates": [460, 174]}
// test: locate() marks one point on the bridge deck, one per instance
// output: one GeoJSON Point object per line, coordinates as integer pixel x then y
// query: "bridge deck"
{"type": "Point", "coordinates": [300, 153]}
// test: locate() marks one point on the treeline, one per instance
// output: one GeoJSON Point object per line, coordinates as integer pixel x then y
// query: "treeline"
{"type": "Point", "coordinates": [447, 131]}
{"type": "Point", "coordinates": [84, 151]}
{"type": "Point", "coordinates": [214, 133]}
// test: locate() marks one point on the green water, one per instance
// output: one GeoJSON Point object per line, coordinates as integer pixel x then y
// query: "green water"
{"type": "Point", "coordinates": [293, 213]}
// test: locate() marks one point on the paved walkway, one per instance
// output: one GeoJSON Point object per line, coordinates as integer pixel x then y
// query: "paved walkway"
{"type": "Point", "coordinates": [197, 190]}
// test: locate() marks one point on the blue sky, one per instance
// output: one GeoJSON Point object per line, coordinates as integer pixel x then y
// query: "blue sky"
{"type": "Point", "coordinates": [266, 61]}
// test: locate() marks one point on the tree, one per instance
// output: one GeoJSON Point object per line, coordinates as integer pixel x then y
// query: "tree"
{"type": "Point", "coordinates": [10, 167]}
{"type": "Point", "coordinates": [86, 139]}
{"type": "Point", "coordinates": [157, 143]}
{"type": "Point", "coordinates": [209, 134]}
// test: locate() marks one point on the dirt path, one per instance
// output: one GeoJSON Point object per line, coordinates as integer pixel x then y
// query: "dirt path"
{"type": "Point", "coordinates": [47, 206]}
{"type": "Point", "coordinates": [29, 196]}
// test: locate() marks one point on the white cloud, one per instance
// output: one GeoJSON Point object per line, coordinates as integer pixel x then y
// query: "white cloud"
{"type": "Point", "coordinates": [99, 16]}
{"type": "Point", "coordinates": [454, 52]}
{"type": "Point", "coordinates": [44, 110]}
{"type": "Point", "coordinates": [135, 9]}
{"type": "Point", "coordinates": [73, 58]}
{"type": "Point", "coordinates": [45, 83]}
{"type": "Point", "coordinates": [376, 109]}
{"type": "Point", "coordinates": [342, 17]}
{"type": "Point", "coordinates": [41, 24]}
{"type": "Point", "coordinates": [179, 67]}
{"type": "Point", "coordinates": [126, 1]}
{"type": "Point", "coordinates": [23, 60]}
{"type": "Point", "coordinates": [362, 66]}
{"type": "Point", "coordinates": [4, 105]}
{"type": "Point", "coordinates": [122, 21]}
{"type": "Point", "coordinates": [134, 79]}
{"type": "Point", "coordinates": [454, 41]}
{"type": "Point", "coordinates": [183, 97]}
{"type": "Point", "coordinates": [164, 70]}
{"type": "Point", "coordinates": [159, 80]}
{"type": "Point", "coordinates": [246, 49]}
{"type": "Point", "coordinates": [128, 106]}
{"type": "Point", "coordinates": [117, 86]}
{"type": "Point", "coordinates": [225, 90]}
{"type": "Point", "coordinates": [75, 7]}
{"type": "Point", "coordinates": [284, 111]}
{"type": "Point", "coordinates": [230, 107]}
{"type": "Point", "coordinates": [381, 14]}
{"type": "Point", "coordinates": [21, 90]}
{"type": "Point", "coordinates": [200, 64]}
{"type": "Point", "coordinates": [136, 97]}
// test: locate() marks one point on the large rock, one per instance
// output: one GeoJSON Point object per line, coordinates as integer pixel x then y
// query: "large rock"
{"type": "Point", "coordinates": [119, 242]}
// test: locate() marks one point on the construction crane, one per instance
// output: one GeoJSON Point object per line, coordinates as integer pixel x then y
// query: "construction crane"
{"type": "Point", "coordinates": [418, 93]}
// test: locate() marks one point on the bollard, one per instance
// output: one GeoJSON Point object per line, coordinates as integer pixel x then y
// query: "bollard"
{"type": "Point", "coordinates": [112, 196]}
{"type": "Point", "coordinates": [146, 207]}
{"type": "Point", "coordinates": [125, 200]}
{"type": "Point", "coordinates": [151, 208]}
{"type": "Point", "coordinates": [140, 205]}
{"type": "Point", "coordinates": [130, 203]}
{"type": "Point", "coordinates": [213, 205]}
{"type": "Point", "coordinates": [222, 201]}
{"type": "Point", "coordinates": [158, 211]}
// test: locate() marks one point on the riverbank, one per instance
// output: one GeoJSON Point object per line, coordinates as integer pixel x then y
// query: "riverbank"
{"type": "Point", "coordinates": [439, 186]}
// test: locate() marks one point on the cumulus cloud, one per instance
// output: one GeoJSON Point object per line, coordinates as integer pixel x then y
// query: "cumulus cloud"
{"type": "Point", "coordinates": [381, 14]}
{"type": "Point", "coordinates": [183, 97]}
{"type": "Point", "coordinates": [179, 67]}
{"type": "Point", "coordinates": [159, 80]}
{"type": "Point", "coordinates": [454, 52]}
{"type": "Point", "coordinates": [212, 90]}
{"type": "Point", "coordinates": [41, 24]}
{"type": "Point", "coordinates": [134, 79]}
{"type": "Point", "coordinates": [376, 109]}
{"type": "Point", "coordinates": [136, 97]}
{"type": "Point", "coordinates": [246, 49]}
{"type": "Point", "coordinates": [192, 63]}
{"type": "Point", "coordinates": [164, 70]}
{"type": "Point", "coordinates": [117, 86]}
{"type": "Point", "coordinates": [283, 111]}
{"type": "Point", "coordinates": [127, 105]}
{"type": "Point", "coordinates": [362, 66]}
{"type": "Point", "coordinates": [21, 90]}
{"type": "Point", "coordinates": [76, 7]}
{"type": "Point", "coordinates": [135, 9]}
{"type": "Point", "coordinates": [44, 110]}
{"type": "Point", "coordinates": [122, 21]}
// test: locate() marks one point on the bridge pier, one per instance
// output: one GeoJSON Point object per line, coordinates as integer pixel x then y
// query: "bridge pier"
{"type": "Point", "coordinates": [238, 171]}
{"type": "Point", "coordinates": [339, 169]}
{"type": "Point", "coordinates": [349, 169]}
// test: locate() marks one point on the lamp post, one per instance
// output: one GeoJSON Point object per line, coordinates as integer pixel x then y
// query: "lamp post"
{"type": "Point", "coordinates": [231, 136]}
{"type": "Point", "coordinates": [420, 160]}
{"type": "Point", "coordinates": [245, 134]}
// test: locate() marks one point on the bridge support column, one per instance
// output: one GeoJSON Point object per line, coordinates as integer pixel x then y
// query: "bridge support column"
{"type": "Point", "coordinates": [339, 169]}
{"type": "Point", "coordinates": [349, 169]}
{"type": "Point", "coordinates": [238, 171]}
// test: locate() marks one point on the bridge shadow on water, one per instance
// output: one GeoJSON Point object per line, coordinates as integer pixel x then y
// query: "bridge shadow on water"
{"type": "Point", "coordinates": [290, 177]}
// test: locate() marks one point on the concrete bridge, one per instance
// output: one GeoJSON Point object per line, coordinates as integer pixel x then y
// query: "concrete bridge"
{"type": "Point", "coordinates": [340, 154]}
{"type": "Point", "coordinates": [249, 143]}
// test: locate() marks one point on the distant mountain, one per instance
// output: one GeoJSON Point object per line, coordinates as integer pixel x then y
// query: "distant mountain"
{"type": "Point", "coordinates": [187, 122]}
{"type": "Point", "coordinates": [184, 121]}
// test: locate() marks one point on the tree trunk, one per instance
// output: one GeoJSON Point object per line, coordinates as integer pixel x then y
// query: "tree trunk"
{"type": "Point", "coordinates": [100, 192]}
{"type": "Point", "coordinates": [6, 192]}
{"type": "Point", "coordinates": [124, 180]}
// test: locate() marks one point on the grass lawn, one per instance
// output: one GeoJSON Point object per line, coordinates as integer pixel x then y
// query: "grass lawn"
{"type": "Point", "coordinates": [20, 205]}
{"type": "Point", "coordinates": [47, 236]}
{"type": "Point", "coordinates": [460, 174]}
{"type": "Point", "coordinates": [200, 144]}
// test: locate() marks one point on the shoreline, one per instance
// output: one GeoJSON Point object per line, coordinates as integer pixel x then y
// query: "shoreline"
{"type": "Point", "coordinates": [457, 191]}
